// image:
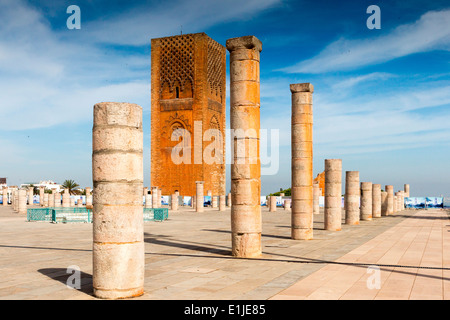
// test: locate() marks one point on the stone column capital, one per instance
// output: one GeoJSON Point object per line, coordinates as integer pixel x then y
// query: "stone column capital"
{"type": "Point", "coordinates": [245, 42]}
{"type": "Point", "coordinates": [302, 87]}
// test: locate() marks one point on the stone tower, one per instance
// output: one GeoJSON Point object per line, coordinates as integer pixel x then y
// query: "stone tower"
{"type": "Point", "coordinates": [188, 77]}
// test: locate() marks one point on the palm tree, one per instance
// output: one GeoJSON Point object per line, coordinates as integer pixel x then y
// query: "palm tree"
{"type": "Point", "coordinates": [70, 185]}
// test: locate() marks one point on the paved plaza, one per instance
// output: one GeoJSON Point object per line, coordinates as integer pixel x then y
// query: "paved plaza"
{"type": "Point", "coordinates": [189, 257]}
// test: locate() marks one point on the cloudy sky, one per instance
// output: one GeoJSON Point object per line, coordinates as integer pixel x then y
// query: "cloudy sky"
{"type": "Point", "coordinates": [381, 100]}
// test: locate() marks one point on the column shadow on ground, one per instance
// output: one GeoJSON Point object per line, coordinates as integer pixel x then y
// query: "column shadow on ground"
{"type": "Point", "coordinates": [194, 246]}
{"type": "Point", "coordinates": [262, 234]}
{"type": "Point", "coordinates": [61, 275]}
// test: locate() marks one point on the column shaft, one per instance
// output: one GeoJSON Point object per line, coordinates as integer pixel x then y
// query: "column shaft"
{"type": "Point", "coordinates": [376, 200]}
{"type": "Point", "coordinates": [384, 203]}
{"type": "Point", "coordinates": [366, 201]}
{"type": "Point", "coordinates": [199, 197]}
{"type": "Point", "coordinates": [352, 197]}
{"type": "Point", "coordinates": [118, 223]}
{"type": "Point", "coordinates": [316, 198]}
{"type": "Point", "coordinates": [246, 167]}
{"type": "Point", "coordinates": [174, 202]}
{"type": "Point", "coordinates": [22, 203]}
{"type": "Point", "coordinates": [333, 190]}
{"type": "Point", "coordinates": [302, 161]}
{"type": "Point", "coordinates": [390, 199]}
{"type": "Point", "coordinates": [5, 197]}
{"type": "Point", "coordinates": [273, 204]}
{"type": "Point", "coordinates": [222, 203]}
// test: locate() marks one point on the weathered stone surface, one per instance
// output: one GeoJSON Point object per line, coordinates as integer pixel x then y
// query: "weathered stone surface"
{"type": "Point", "coordinates": [57, 200]}
{"type": "Point", "coordinates": [317, 192]}
{"type": "Point", "coordinates": [376, 200]}
{"type": "Point", "coordinates": [66, 199]}
{"type": "Point", "coordinates": [88, 197]}
{"type": "Point", "coordinates": [352, 197]}
{"type": "Point", "coordinates": [302, 161]}
{"type": "Point", "coordinates": [22, 202]}
{"type": "Point", "coordinates": [366, 201]}
{"type": "Point", "coordinates": [199, 196]}
{"type": "Point", "coordinates": [273, 204]}
{"type": "Point", "coordinates": [154, 197]}
{"type": "Point", "coordinates": [41, 196]}
{"type": "Point", "coordinates": [384, 203]}
{"type": "Point", "coordinates": [246, 167]}
{"type": "Point", "coordinates": [174, 202]}
{"type": "Point", "coordinates": [222, 202]}
{"type": "Point", "coordinates": [118, 246]}
{"type": "Point", "coordinates": [390, 199]}
{"type": "Point", "coordinates": [46, 200]}
{"type": "Point", "coordinates": [333, 186]}
{"type": "Point", "coordinates": [287, 204]}
{"type": "Point", "coordinates": [30, 196]}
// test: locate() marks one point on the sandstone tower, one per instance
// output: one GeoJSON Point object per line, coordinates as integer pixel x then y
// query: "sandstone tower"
{"type": "Point", "coordinates": [188, 77]}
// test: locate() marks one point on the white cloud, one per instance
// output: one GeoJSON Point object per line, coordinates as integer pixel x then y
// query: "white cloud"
{"type": "Point", "coordinates": [351, 82]}
{"type": "Point", "coordinates": [430, 32]}
{"type": "Point", "coordinates": [52, 77]}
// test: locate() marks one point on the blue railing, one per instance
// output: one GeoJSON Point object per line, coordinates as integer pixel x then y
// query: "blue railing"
{"type": "Point", "coordinates": [67, 215]}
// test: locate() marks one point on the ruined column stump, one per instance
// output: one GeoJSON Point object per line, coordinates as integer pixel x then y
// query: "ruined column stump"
{"type": "Point", "coordinates": [88, 197]}
{"type": "Point", "coordinates": [30, 196]}
{"type": "Point", "coordinates": [287, 204]}
{"type": "Point", "coordinates": [199, 198]}
{"type": "Point", "coordinates": [390, 199]}
{"type": "Point", "coordinates": [174, 202]}
{"type": "Point", "coordinates": [333, 200]}
{"type": "Point", "coordinates": [118, 223]}
{"type": "Point", "coordinates": [406, 188]}
{"type": "Point", "coordinates": [66, 199]}
{"type": "Point", "coordinates": [376, 200]}
{"type": "Point", "coordinates": [302, 161]}
{"type": "Point", "coordinates": [41, 196]}
{"type": "Point", "coordinates": [366, 201]}
{"type": "Point", "coordinates": [317, 192]}
{"type": "Point", "coordinates": [57, 200]}
{"type": "Point", "coordinates": [246, 223]}
{"type": "Point", "coordinates": [22, 203]}
{"type": "Point", "coordinates": [148, 200]}
{"type": "Point", "coordinates": [158, 202]}
{"type": "Point", "coordinates": [273, 204]}
{"type": "Point", "coordinates": [154, 197]}
{"type": "Point", "coordinates": [46, 200]}
{"type": "Point", "coordinates": [384, 203]}
{"type": "Point", "coordinates": [222, 203]}
{"type": "Point", "coordinates": [352, 197]}
{"type": "Point", "coordinates": [395, 210]}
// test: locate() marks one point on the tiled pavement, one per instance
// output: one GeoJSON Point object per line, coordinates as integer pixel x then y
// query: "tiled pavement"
{"type": "Point", "coordinates": [188, 257]}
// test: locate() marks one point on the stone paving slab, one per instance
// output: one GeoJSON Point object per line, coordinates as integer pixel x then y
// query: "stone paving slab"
{"type": "Point", "coordinates": [412, 258]}
{"type": "Point", "coordinates": [189, 257]}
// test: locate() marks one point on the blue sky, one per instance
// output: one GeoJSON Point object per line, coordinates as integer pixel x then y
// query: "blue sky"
{"type": "Point", "coordinates": [381, 100]}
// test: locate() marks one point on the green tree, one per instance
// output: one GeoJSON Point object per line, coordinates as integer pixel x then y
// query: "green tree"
{"type": "Point", "coordinates": [71, 185]}
{"type": "Point", "coordinates": [287, 193]}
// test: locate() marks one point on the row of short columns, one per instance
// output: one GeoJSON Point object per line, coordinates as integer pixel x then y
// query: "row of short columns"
{"type": "Point", "coordinates": [363, 201]}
